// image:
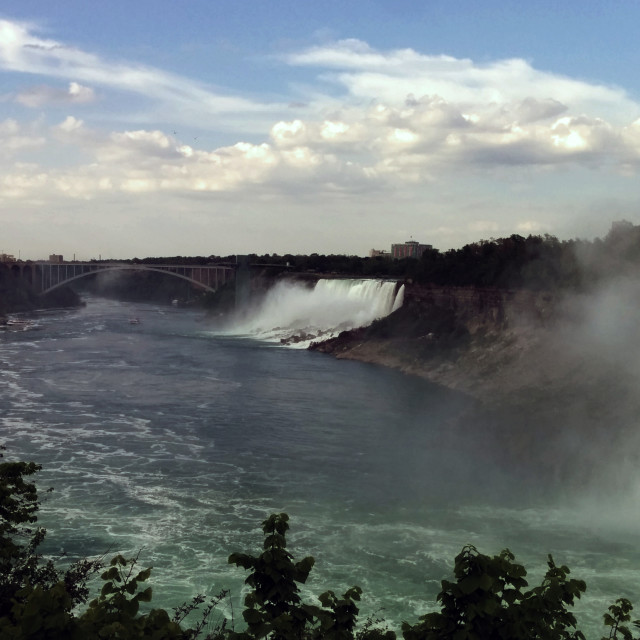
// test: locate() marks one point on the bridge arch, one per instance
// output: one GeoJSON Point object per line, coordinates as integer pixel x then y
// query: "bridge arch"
{"type": "Point", "coordinates": [55, 271]}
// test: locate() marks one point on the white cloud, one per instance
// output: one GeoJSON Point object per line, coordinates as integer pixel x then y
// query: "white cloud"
{"type": "Point", "coordinates": [16, 138]}
{"type": "Point", "coordinates": [528, 226]}
{"type": "Point", "coordinates": [505, 112]}
{"type": "Point", "coordinates": [21, 50]}
{"type": "Point", "coordinates": [40, 96]}
{"type": "Point", "coordinates": [391, 76]}
{"type": "Point", "coordinates": [22, 182]}
{"type": "Point", "coordinates": [389, 147]}
{"type": "Point", "coordinates": [70, 125]}
{"type": "Point", "coordinates": [407, 133]}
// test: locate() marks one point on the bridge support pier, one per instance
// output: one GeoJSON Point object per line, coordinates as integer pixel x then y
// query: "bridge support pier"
{"type": "Point", "coordinates": [243, 283]}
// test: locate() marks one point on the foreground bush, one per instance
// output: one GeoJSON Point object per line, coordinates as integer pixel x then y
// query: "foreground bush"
{"type": "Point", "coordinates": [488, 599]}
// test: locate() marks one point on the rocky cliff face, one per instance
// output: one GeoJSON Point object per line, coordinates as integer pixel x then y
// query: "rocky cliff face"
{"type": "Point", "coordinates": [554, 378]}
{"type": "Point", "coordinates": [456, 336]}
{"type": "Point", "coordinates": [482, 310]}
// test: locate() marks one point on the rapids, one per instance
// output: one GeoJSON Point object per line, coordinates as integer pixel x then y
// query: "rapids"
{"type": "Point", "coordinates": [166, 438]}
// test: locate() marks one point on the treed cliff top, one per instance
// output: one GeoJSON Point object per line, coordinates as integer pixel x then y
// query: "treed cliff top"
{"type": "Point", "coordinates": [501, 317]}
{"type": "Point", "coordinates": [542, 336]}
{"type": "Point", "coordinates": [470, 314]}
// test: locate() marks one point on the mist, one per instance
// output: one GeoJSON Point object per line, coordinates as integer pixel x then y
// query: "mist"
{"type": "Point", "coordinates": [558, 414]}
{"type": "Point", "coordinates": [294, 313]}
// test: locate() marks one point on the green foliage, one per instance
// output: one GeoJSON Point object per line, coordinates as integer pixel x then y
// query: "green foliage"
{"type": "Point", "coordinates": [619, 614]}
{"type": "Point", "coordinates": [274, 608]}
{"type": "Point", "coordinates": [22, 568]}
{"type": "Point", "coordinates": [532, 262]}
{"type": "Point", "coordinates": [38, 601]}
{"type": "Point", "coordinates": [18, 507]}
{"type": "Point", "coordinates": [115, 613]}
{"type": "Point", "coordinates": [487, 601]}
{"type": "Point", "coordinates": [35, 597]}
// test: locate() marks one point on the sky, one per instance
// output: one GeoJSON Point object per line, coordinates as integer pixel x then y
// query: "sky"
{"type": "Point", "coordinates": [144, 128]}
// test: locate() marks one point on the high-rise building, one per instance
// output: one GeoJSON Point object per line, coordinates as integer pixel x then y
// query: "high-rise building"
{"type": "Point", "coordinates": [410, 249]}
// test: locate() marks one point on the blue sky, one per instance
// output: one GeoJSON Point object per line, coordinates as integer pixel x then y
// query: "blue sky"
{"type": "Point", "coordinates": [214, 127]}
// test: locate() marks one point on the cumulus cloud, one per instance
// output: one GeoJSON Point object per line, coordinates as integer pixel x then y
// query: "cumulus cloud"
{"type": "Point", "coordinates": [454, 112]}
{"type": "Point", "coordinates": [146, 161]}
{"type": "Point", "coordinates": [383, 147]}
{"type": "Point", "coordinates": [438, 134]}
{"type": "Point", "coordinates": [70, 125]}
{"type": "Point", "coordinates": [44, 95]}
{"type": "Point", "coordinates": [402, 115]}
{"type": "Point", "coordinates": [15, 138]}
{"type": "Point", "coordinates": [391, 76]}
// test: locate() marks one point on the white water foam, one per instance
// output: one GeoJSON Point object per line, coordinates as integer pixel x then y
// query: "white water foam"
{"type": "Point", "coordinates": [295, 314]}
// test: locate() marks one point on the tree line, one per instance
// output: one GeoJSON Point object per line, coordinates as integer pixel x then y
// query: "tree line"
{"type": "Point", "coordinates": [539, 262]}
{"type": "Point", "coordinates": [534, 262]}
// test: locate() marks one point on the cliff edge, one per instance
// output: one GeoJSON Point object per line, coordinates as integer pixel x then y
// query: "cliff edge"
{"type": "Point", "coordinates": [553, 377]}
{"type": "Point", "coordinates": [477, 341]}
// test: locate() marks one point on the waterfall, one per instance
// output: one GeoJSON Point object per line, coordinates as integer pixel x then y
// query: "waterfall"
{"type": "Point", "coordinates": [293, 313]}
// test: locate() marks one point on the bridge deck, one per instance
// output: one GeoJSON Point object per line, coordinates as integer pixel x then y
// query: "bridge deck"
{"type": "Point", "coordinates": [47, 276]}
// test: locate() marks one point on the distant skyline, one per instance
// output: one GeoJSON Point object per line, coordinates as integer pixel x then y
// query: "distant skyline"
{"type": "Point", "coordinates": [206, 127]}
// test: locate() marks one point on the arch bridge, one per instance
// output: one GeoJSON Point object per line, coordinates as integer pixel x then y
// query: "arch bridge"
{"type": "Point", "coordinates": [47, 276]}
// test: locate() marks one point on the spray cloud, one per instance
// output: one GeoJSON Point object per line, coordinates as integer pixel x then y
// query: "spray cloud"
{"type": "Point", "coordinates": [294, 313]}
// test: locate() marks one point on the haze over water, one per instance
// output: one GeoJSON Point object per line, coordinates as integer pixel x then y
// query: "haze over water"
{"type": "Point", "coordinates": [165, 437]}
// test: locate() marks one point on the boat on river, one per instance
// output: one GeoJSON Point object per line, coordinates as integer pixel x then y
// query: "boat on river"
{"type": "Point", "coordinates": [19, 325]}
{"type": "Point", "coordinates": [14, 324]}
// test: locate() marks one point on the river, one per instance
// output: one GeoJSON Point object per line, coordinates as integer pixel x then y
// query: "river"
{"type": "Point", "coordinates": [167, 438]}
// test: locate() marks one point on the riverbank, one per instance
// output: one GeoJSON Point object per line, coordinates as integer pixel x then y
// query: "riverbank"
{"type": "Point", "coordinates": [553, 377]}
{"type": "Point", "coordinates": [490, 343]}
{"type": "Point", "coordinates": [16, 296]}
{"type": "Point", "coordinates": [471, 340]}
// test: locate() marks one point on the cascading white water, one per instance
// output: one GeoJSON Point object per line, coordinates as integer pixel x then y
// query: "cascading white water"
{"type": "Point", "coordinates": [294, 313]}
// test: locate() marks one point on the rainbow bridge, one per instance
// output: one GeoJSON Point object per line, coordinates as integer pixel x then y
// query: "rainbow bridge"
{"type": "Point", "coordinates": [47, 276]}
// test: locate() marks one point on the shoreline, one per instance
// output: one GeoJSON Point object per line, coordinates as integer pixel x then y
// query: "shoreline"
{"type": "Point", "coordinates": [556, 393]}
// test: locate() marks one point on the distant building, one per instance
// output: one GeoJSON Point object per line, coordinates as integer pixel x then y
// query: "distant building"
{"type": "Point", "coordinates": [374, 253]}
{"type": "Point", "coordinates": [55, 258]}
{"type": "Point", "coordinates": [621, 225]}
{"type": "Point", "coordinates": [7, 257]}
{"type": "Point", "coordinates": [410, 249]}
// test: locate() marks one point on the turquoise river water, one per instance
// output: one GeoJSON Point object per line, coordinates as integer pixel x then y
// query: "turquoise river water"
{"type": "Point", "coordinates": [166, 438]}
